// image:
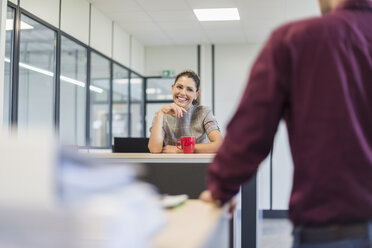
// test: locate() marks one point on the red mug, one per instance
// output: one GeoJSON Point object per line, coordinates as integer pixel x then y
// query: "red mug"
{"type": "Point", "coordinates": [187, 144]}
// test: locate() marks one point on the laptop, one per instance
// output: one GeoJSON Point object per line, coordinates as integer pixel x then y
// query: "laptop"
{"type": "Point", "coordinates": [130, 145]}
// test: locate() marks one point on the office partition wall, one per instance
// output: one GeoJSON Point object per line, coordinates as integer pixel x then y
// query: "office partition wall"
{"type": "Point", "coordinates": [99, 101]}
{"type": "Point", "coordinates": [60, 83]}
{"type": "Point", "coordinates": [136, 105]}
{"type": "Point", "coordinates": [73, 78]}
{"type": "Point", "coordinates": [37, 64]}
{"type": "Point", "coordinates": [158, 93]}
{"type": "Point", "coordinates": [120, 96]}
{"type": "Point", "coordinates": [159, 89]}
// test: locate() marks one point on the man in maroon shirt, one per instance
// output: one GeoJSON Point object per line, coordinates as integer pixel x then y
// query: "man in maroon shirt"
{"type": "Point", "coordinates": [317, 75]}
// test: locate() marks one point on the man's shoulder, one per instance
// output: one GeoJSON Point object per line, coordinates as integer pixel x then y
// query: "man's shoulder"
{"type": "Point", "coordinates": [306, 29]}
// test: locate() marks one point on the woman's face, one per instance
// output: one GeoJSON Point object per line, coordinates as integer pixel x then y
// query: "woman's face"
{"type": "Point", "coordinates": [184, 92]}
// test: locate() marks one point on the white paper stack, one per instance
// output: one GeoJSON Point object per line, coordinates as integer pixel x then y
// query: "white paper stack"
{"type": "Point", "coordinates": [128, 218]}
{"type": "Point", "coordinates": [88, 205]}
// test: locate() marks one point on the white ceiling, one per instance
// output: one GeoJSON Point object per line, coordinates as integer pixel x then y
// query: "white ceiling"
{"type": "Point", "coordinates": [172, 22]}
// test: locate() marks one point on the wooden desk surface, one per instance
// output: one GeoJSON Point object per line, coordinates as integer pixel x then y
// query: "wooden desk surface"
{"type": "Point", "coordinates": [171, 173]}
{"type": "Point", "coordinates": [191, 225]}
{"type": "Point", "coordinates": [156, 158]}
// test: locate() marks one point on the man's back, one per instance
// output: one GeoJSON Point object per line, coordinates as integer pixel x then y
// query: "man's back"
{"type": "Point", "coordinates": [317, 74]}
{"type": "Point", "coordinates": [330, 115]}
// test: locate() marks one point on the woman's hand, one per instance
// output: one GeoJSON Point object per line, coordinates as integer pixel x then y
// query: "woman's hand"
{"type": "Point", "coordinates": [171, 149]}
{"type": "Point", "coordinates": [173, 109]}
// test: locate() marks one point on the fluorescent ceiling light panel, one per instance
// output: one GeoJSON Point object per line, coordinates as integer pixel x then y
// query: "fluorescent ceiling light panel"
{"type": "Point", "coordinates": [96, 89]}
{"type": "Point", "coordinates": [221, 14]}
{"type": "Point", "coordinates": [125, 81]}
{"type": "Point", "coordinates": [35, 69]}
{"type": "Point", "coordinates": [121, 81]}
{"type": "Point", "coordinates": [51, 74]}
{"type": "Point", "coordinates": [73, 81]}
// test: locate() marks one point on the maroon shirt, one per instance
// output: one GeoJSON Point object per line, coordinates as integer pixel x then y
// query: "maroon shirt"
{"type": "Point", "coordinates": [317, 75]}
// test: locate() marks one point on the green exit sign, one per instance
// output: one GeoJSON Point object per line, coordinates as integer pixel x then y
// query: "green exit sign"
{"type": "Point", "coordinates": [167, 73]}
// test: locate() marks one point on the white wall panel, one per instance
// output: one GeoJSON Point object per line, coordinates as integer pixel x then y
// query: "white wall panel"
{"type": "Point", "coordinates": [47, 10]}
{"type": "Point", "coordinates": [13, 1]}
{"type": "Point", "coordinates": [282, 168]}
{"type": "Point", "coordinates": [175, 58]}
{"type": "Point", "coordinates": [206, 75]}
{"type": "Point", "coordinates": [232, 66]}
{"type": "Point", "coordinates": [137, 60]}
{"type": "Point", "coordinates": [75, 19]}
{"type": "Point", "coordinates": [282, 173]}
{"type": "Point", "coordinates": [263, 185]}
{"type": "Point", "coordinates": [121, 46]}
{"type": "Point", "coordinates": [100, 32]}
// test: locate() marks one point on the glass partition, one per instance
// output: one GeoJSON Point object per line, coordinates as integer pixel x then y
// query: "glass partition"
{"type": "Point", "coordinates": [37, 63]}
{"type": "Point", "coordinates": [158, 94]}
{"type": "Point", "coordinates": [151, 110]}
{"type": "Point", "coordinates": [99, 100]}
{"type": "Point", "coordinates": [159, 89]}
{"type": "Point", "coordinates": [136, 105]}
{"type": "Point", "coordinates": [120, 101]}
{"type": "Point", "coordinates": [36, 89]}
{"type": "Point", "coordinates": [8, 66]}
{"type": "Point", "coordinates": [73, 92]}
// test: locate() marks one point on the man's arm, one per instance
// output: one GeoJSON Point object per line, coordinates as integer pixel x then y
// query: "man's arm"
{"type": "Point", "coordinates": [251, 131]}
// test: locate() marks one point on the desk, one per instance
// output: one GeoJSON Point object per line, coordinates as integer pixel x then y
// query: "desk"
{"type": "Point", "coordinates": [195, 224]}
{"type": "Point", "coordinates": [156, 158]}
{"type": "Point", "coordinates": [171, 173]}
{"type": "Point", "coordinates": [186, 174]}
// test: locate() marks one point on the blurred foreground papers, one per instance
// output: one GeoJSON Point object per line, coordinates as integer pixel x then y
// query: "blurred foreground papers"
{"type": "Point", "coordinates": [53, 198]}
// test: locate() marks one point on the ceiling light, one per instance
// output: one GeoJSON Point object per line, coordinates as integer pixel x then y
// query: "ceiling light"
{"type": "Point", "coordinates": [33, 68]}
{"type": "Point", "coordinates": [125, 81]}
{"type": "Point", "coordinates": [73, 81]}
{"type": "Point", "coordinates": [136, 81]}
{"type": "Point", "coordinates": [96, 89]}
{"type": "Point", "coordinates": [150, 91]}
{"type": "Point", "coordinates": [221, 14]}
{"type": "Point", "coordinates": [51, 74]}
{"type": "Point", "coordinates": [121, 81]}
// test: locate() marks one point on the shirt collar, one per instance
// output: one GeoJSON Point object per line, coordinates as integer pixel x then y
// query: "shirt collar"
{"type": "Point", "coordinates": [355, 4]}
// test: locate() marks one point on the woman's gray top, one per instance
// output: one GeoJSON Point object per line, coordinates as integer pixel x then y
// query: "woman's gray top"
{"type": "Point", "coordinates": [198, 121]}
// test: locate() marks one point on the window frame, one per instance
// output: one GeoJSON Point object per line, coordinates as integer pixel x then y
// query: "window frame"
{"type": "Point", "coordinates": [152, 101]}
{"type": "Point", "coordinates": [8, 121]}
{"type": "Point", "coordinates": [128, 101]}
{"type": "Point", "coordinates": [87, 83]}
{"type": "Point", "coordinates": [14, 82]}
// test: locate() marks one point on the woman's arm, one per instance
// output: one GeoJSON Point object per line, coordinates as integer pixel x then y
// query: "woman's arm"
{"type": "Point", "coordinates": [215, 138]}
{"type": "Point", "coordinates": [156, 138]}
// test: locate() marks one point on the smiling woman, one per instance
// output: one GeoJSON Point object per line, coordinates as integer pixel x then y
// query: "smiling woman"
{"type": "Point", "coordinates": [185, 117]}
